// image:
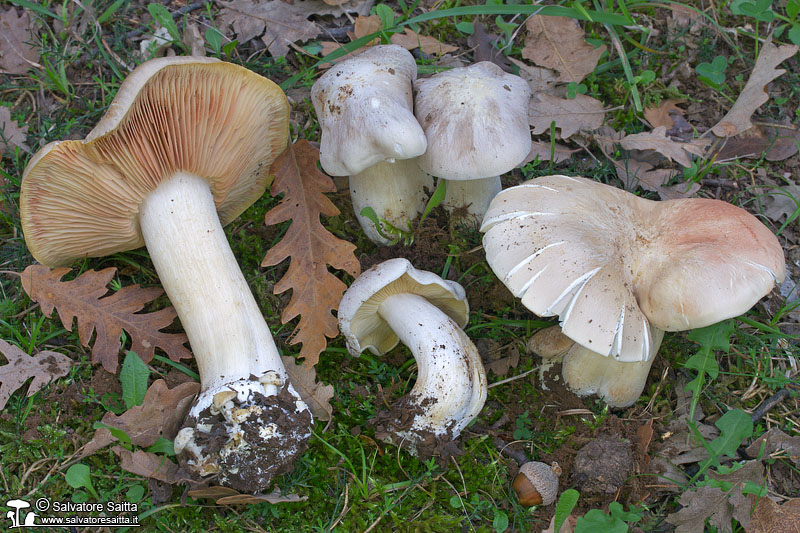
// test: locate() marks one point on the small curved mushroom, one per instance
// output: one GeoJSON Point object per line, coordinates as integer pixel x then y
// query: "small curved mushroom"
{"type": "Point", "coordinates": [615, 268]}
{"type": "Point", "coordinates": [394, 302]}
{"type": "Point", "coordinates": [185, 147]}
{"type": "Point", "coordinates": [537, 483]}
{"type": "Point", "coordinates": [369, 133]}
{"type": "Point", "coordinates": [476, 122]}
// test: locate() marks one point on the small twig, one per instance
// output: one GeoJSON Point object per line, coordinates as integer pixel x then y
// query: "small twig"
{"type": "Point", "coordinates": [513, 378]}
{"type": "Point", "coordinates": [345, 509]}
{"type": "Point", "coordinates": [769, 403]}
{"type": "Point", "coordinates": [518, 455]}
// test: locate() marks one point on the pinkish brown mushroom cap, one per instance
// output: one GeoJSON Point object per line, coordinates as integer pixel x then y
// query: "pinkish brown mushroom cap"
{"type": "Point", "coordinates": [192, 114]}
{"type": "Point", "coordinates": [613, 265]}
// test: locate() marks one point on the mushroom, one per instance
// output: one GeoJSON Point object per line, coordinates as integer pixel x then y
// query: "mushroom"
{"type": "Point", "coordinates": [369, 133]}
{"type": "Point", "coordinates": [394, 302]}
{"type": "Point", "coordinates": [476, 122]}
{"type": "Point", "coordinates": [537, 483]}
{"type": "Point", "coordinates": [616, 268]}
{"type": "Point", "coordinates": [184, 148]}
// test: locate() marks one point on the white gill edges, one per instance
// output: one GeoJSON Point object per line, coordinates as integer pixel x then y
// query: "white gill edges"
{"type": "Point", "coordinates": [518, 280]}
{"type": "Point", "coordinates": [489, 222]}
{"type": "Point", "coordinates": [574, 289]}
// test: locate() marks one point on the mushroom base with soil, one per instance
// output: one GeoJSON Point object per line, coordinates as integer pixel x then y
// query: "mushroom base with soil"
{"type": "Point", "coordinates": [246, 414]}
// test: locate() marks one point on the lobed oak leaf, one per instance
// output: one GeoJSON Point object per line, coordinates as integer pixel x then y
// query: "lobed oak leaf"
{"type": "Point", "coordinates": [43, 367]}
{"type": "Point", "coordinates": [314, 393]}
{"type": "Point", "coordinates": [543, 151]}
{"type": "Point", "coordinates": [570, 115]}
{"type": "Point", "coordinates": [84, 298]}
{"type": "Point", "coordinates": [16, 55]}
{"type": "Point", "coordinates": [161, 414]}
{"type": "Point", "coordinates": [657, 140]}
{"type": "Point", "coordinates": [776, 442]}
{"type": "Point", "coordinates": [660, 115]}
{"type": "Point", "coordinates": [558, 43]}
{"type": "Point", "coordinates": [429, 45]}
{"type": "Point", "coordinates": [754, 93]}
{"type": "Point", "coordinates": [315, 290]}
{"type": "Point", "coordinates": [229, 496]}
{"type": "Point", "coordinates": [772, 141]}
{"type": "Point", "coordinates": [639, 173]}
{"type": "Point", "coordinates": [769, 517]}
{"type": "Point", "coordinates": [483, 44]}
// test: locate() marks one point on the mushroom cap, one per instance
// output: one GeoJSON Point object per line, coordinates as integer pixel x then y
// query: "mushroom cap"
{"type": "Point", "coordinates": [475, 119]}
{"type": "Point", "coordinates": [364, 106]}
{"type": "Point", "coordinates": [199, 115]}
{"type": "Point", "coordinates": [362, 326]}
{"type": "Point", "coordinates": [612, 265]}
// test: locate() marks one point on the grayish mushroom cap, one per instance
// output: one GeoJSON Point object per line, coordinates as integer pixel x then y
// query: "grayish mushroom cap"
{"type": "Point", "coordinates": [475, 119]}
{"type": "Point", "coordinates": [612, 265]}
{"type": "Point", "coordinates": [364, 106]}
{"type": "Point", "coordinates": [359, 321]}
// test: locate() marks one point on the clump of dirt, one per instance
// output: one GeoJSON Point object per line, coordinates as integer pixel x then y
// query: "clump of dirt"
{"type": "Point", "coordinates": [269, 436]}
{"type": "Point", "coordinates": [602, 466]}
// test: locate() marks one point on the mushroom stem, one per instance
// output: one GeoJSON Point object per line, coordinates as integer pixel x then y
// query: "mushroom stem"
{"type": "Point", "coordinates": [619, 383]}
{"type": "Point", "coordinates": [451, 382]}
{"type": "Point", "coordinates": [473, 195]}
{"type": "Point", "coordinates": [234, 349]}
{"type": "Point", "coordinates": [394, 190]}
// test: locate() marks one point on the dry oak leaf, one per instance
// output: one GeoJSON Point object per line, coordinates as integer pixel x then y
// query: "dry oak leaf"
{"type": "Point", "coordinates": [483, 47]}
{"type": "Point", "coordinates": [161, 414]}
{"type": "Point", "coordinates": [16, 56]}
{"type": "Point", "coordinates": [429, 45]}
{"type": "Point", "coordinates": [43, 367]}
{"type": "Point", "coordinates": [278, 23]}
{"type": "Point", "coordinates": [85, 298]}
{"type": "Point", "coordinates": [754, 93]}
{"type": "Point", "coordinates": [716, 505]}
{"type": "Point", "coordinates": [315, 394]}
{"type": "Point", "coordinates": [570, 115]}
{"type": "Point", "coordinates": [557, 43]}
{"type": "Point", "coordinates": [657, 140]}
{"type": "Point", "coordinates": [639, 173]}
{"type": "Point", "coordinates": [539, 79]}
{"type": "Point", "coordinates": [774, 142]}
{"type": "Point", "coordinates": [660, 115]}
{"type": "Point", "coordinates": [150, 465]}
{"type": "Point", "coordinates": [774, 441]}
{"type": "Point", "coordinates": [11, 134]}
{"type": "Point", "coordinates": [769, 517]}
{"type": "Point", "coordinates": [315, 291]}
{"type": "Point", "coordinates": [542, 150]}
{"type": "Point", "coordinates": [229, 496]}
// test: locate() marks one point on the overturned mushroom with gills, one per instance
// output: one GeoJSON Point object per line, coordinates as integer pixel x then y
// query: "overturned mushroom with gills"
{"type": "Point", "coordinates": [618, 270]}
{"type": "Point", "coordinates": [393, 302]}
{"type": "Point", "coordinates": [369, 133]}
{"type": "Point", "coordinates": [184, 148]}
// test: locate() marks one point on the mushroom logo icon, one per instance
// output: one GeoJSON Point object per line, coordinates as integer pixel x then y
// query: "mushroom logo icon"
{"type": "Point", "coordinates": [14, 515]}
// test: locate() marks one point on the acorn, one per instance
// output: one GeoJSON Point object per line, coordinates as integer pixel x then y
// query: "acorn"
{"type": "Point", "coordinates": [537, 483]}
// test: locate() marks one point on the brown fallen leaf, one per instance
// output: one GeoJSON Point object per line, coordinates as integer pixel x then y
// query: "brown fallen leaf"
{"type": "Point", "coordinates": [660, 115]}
{"type": "Point", "coordinates": [85, 298]}
{"type": "Point", "coordinates": [315, 290]}
{"type": "Point", "coordinates": [161, 414]}
{"type": "Point", "coordinates": [151, 466]}
{"type": "Point", "coordinates": [570, 115]}
{"type": "Point", "coordinates": [567, 527]}
{"type": "Point", "coordinates": [779, 200]}
{"type": "Point", "coordinates": [542, 151]}
{"type": "Point", "coordinates": [317, 395]}
{"type": "Point", "coordinates": [429, 45]}
{"type": "Point", "coordinates": [715, 505]}
{"type": "Point", "coordinates": [754, 93]}
{"type": "Point", "coordinates": [774, 143]}
{"type": "Point", "coordinates": [42, 367]}
{"type": "Point", "coordinates": [774, 441]}
{"type": "Point", "coordinates": [539, 79]}
{"type": "Point", "coordinates": [558, 43]}
{"type": "Point", "coordinates": [483, 47]}
{"type": "Point", "coordinates": [769, 517]}
{"type": "Point", "coordinates": [16, 31]}
{"type": "Point", "coordinates": [11, 134]}
{"type": "Point", "coordinates": [639, 173]}
{"type": "Point", "coordinates": [657, 140]}
{"type": "Point", "coordinates": [228, 496]}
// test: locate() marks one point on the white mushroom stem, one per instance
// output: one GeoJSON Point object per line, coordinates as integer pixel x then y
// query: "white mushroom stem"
{"type": "Point", "coordinates": [232, 344]}
{"type": "Point", "coordinates": [451, 382]}
{"type": "Point", "coordinates": [619, 383]}
{"type": "Point", "coordinates": [394, 190]}
{"type": "Point", "coordinates": [474, 195]}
